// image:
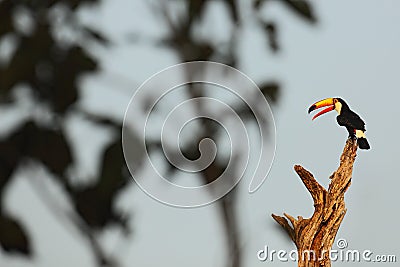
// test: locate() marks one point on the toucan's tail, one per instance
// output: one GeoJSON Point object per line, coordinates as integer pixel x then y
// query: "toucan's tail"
{"type": "Point", "coordinates": [363, 143]}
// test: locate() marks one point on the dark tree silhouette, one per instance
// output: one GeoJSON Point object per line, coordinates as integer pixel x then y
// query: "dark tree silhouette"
{"type": "Point", "coordinates": [183, 42]}
{"type": "Point", "coordinates": [50, 66]}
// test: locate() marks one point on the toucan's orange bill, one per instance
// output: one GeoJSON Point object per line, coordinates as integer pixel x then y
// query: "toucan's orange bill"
{"type": "Point", "coordinates": [323, 111]}
{"type": "Point", "coordinates": [323, 103]}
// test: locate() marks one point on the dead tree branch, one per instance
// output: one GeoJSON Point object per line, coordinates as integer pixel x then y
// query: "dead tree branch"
{"type": "Point", "coordinates": [314, 236]}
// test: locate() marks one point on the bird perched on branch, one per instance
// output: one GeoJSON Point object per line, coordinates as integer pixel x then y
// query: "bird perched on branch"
{"type": "Point", "coordinates": [347, 118]}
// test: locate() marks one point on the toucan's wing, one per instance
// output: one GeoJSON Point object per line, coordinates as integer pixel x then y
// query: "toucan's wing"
{"type": "Point", "coordinates": [352, 120]}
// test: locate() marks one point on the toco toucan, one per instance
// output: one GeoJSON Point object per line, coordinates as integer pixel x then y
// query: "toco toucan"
{"type": "Point", "coordinates": [347, 118]}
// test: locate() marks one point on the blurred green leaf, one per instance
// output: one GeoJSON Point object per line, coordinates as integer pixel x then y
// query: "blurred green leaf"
{"type": "Point", "coordinates": [233, 10]}
{"type": "Point", "coordinates": [112, 177]}
{"type": "Point", "coordinates": [270, 90]}
{"type": "Point", "coordinates": [13, 237]}
{"type": "Point", "coordinates": [52, 71]}
{"type": "Point", "coordinates": [62, 90]}
{"type": "Point", "coordinates": [97, 36]}
{"type": "Point", "coordinates": [257, 4]}
{"type": "Point", "coordinates": [74, 4]}
{"type": "Point", "coordinates": [11, 151]}
{"type": "Point", "coordinates": [45, 145]}
{"type": "Point", "coordinates": [271, 34]}
{"type": "Point", "coordinates": [49, 147]}
{"type": "Point", "coordinates": [22, 65]}
{"type": "Point", "coordinates": [6, 11]}
{"type": "Point", "coordinates": [195, 9]}
{"type": "Point", "coordinates": [95, 203]}
{"type": "Point", "coordinates": [302, 8]}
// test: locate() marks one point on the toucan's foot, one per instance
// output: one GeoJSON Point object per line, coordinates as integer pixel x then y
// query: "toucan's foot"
{"type": "Point", "coordinates": [353, 137]}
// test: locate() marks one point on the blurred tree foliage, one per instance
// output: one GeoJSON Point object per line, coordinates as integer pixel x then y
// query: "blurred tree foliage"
{"type": "Point", "coordinates": [49, 62]}
{"type": "Point", "coordinates": [50, 65]}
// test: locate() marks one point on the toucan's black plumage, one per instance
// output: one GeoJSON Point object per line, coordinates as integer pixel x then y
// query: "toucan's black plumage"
{"type": "Point", "coordinates": [347, 118]}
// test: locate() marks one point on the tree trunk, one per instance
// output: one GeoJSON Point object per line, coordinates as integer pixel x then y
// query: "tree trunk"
{"type": "Point", "coordinates": [314, 236]}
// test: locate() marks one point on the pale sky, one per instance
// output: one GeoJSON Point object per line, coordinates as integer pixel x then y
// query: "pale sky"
{"type": "Point", "coordinates": [353, 52]}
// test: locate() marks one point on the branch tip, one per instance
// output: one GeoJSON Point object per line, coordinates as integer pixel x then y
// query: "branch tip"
{"type": "Point", "coordinates": [285, 225]}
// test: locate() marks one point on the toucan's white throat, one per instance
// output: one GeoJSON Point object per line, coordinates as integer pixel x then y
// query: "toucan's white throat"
{"type": "Point", "coordinates": [338, 107]}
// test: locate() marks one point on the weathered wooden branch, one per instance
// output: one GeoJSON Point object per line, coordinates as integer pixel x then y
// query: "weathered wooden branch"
{"type": "Point", "coordinates": [314, 236]}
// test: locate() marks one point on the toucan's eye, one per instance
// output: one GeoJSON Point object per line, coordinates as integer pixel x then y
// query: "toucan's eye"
{"type": "Point", "coordinates": [335, 101]}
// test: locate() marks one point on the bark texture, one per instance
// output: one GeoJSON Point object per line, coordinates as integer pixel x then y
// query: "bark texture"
{"type": "Point", "coordinates": [314, 236]}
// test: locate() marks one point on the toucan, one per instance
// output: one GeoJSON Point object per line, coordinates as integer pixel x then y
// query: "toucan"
{"type": "Point", "coordinates": [347, 118]}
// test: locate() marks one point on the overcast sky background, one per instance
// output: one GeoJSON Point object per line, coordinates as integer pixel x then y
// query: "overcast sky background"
{"type": "Point", "coordinates": [353, 52]}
